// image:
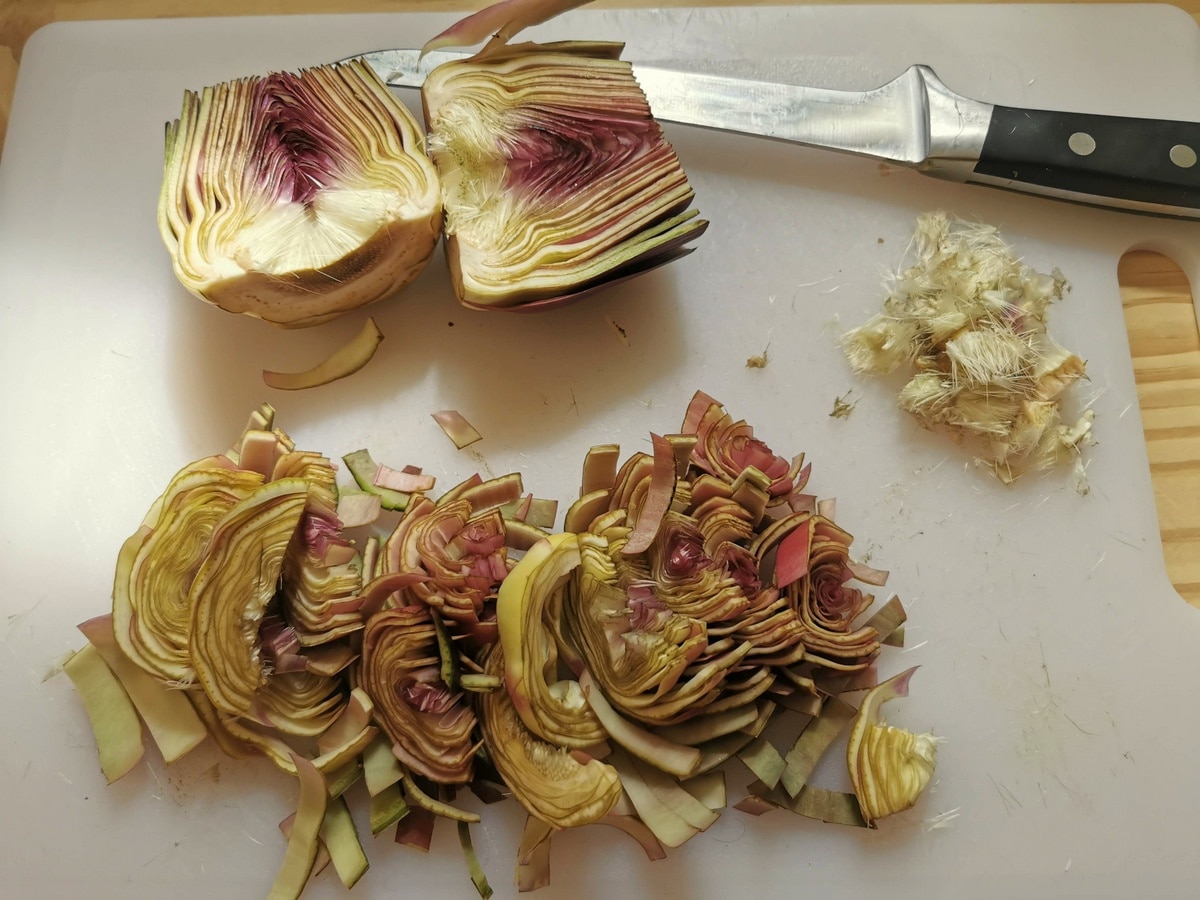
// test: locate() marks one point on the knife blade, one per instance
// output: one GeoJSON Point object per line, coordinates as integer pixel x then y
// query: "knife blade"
{"type": "Point", "coordinates": [1147, 166]}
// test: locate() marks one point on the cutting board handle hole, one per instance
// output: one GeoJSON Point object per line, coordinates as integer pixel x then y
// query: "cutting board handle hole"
{"type": "Point", "coordinates": [1160, 317]}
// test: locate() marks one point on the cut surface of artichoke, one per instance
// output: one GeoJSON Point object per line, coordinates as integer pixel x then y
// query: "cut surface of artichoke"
{"type": "Point", "coordinates": [296, 197]}
{"type": "Point", "coordinates": [232, 588]}
{"type": "Point", "coordinates": [552, 784]}
{"type": "Point", "coordinates": [151, 611]}
{"type": "Point", "coordinates": [556, 178]}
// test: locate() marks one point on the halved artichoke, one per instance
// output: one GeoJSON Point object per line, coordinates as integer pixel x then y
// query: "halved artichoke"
{"type": "Point", "coordinates": [555, 176]}
{"type": "Point", "coordinates": [296, 197]}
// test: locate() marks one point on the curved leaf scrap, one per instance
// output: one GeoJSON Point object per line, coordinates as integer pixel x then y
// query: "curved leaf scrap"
{"type": "Point", "coordinates": [658, 497]}
{"type": "Point", "coordinates": [344, 361]}
{"type": "Point", "coordinates": [669, 811]}
{"type": "Point", "coordinates": [678, 759]}
{"type": "Point", "coordinates": [501, 21]}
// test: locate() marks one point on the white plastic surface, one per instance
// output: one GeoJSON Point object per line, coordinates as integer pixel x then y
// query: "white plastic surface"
{"type": "Point", "coordinates": [1056, 658]}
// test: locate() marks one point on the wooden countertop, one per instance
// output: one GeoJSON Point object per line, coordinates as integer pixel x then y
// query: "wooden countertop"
{"type": "Point", "coordinates": [1159, 312]}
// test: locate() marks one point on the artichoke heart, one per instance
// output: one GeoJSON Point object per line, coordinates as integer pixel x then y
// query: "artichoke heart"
{"type": "Point", "coordinates": [555, 176]}
{"type": "Point", "coordinates": [296, 197]}
{"type": "Point", "coordinates": [231, 590]}
{"type": "Point", "coordinates": [550, 782]}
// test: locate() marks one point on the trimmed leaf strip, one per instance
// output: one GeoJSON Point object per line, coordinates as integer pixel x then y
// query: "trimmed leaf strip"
{"type": "Point", "coordinates": [114, 720]}
{"type": "Point", "coordinates": [340, 837]}
{"type": "Point", "coordinates": [306, 828]}
{"type": "Point", "coordinates": [833, 807]}
{"type": "Point", "coordinates": [822, 731]}
{"type": "Point", "coordinates": [767, 763]}
{"type": "Point", "coordinates": [533, 855]}
{"type": "Point", "coordinates": [387, 808]}
{"type": "Point", "coordinates": [457, 428]}
{"type": "Point", "coordinates": [169, 717]}
{"type": "Point", "coordinates": [478, 878]}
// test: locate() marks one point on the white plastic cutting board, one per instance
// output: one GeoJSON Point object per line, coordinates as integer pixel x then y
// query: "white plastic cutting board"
{"type": "Point", "coordinates": [1056, 658]}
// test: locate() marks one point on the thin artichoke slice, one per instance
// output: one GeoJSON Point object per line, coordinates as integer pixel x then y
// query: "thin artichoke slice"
{"type": "Point", "coordinates": [295, 197]}
{"type": "Point", "coordinates": [155, 568]}
{"type": "Point", "coordinates": [889, 767]}
{"type": "Point", "coordinates": [555, 176]}
{"type": "Point", "coordinates": [551, 782]}
{"type": "Point", "coordinates": [554, 709]}
{"type": "Point", "coordinates": [431, 728]}
{"type": "Point", "coordinates": [300, 703]}
{"type": "Point", "coordinates": [231, 590]}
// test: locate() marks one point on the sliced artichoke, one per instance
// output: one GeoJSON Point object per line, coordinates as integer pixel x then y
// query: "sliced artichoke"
{"type": "Point", "coordinates": [431, 727]}
{"type": "Point", "coordinates": [151, 608]}
{"type": "Point", "coordinates": [550, 782]}
{"type": "Point", "coordinates": [653, 664]}
{"type": "Point", "coordinates": [552, 708]}
{"type": "Point", "coordinates": [296, 197]}
{"type": "Point", "coordinates": [236, 581]}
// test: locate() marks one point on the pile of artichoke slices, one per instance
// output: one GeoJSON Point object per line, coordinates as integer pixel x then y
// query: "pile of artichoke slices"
{"type": "Point", "coordinates": [600, 674]}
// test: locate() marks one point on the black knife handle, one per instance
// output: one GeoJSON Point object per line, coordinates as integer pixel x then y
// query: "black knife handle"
{"type": "Point", "coordinates": [1140, 160]}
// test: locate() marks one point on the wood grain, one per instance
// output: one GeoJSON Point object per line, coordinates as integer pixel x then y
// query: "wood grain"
{"type": "Point", "coordinates": [1161, 320]}
{"type": "Point", "coordinates": [1159, 311]}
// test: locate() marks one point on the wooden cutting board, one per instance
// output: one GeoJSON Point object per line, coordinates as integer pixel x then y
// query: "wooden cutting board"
{"type": "Point", "coordinates": [1052, 646]}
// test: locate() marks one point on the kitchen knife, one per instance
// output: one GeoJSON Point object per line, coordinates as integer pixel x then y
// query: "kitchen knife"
{"type": "Point", "coordinates": [1137, 165]}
